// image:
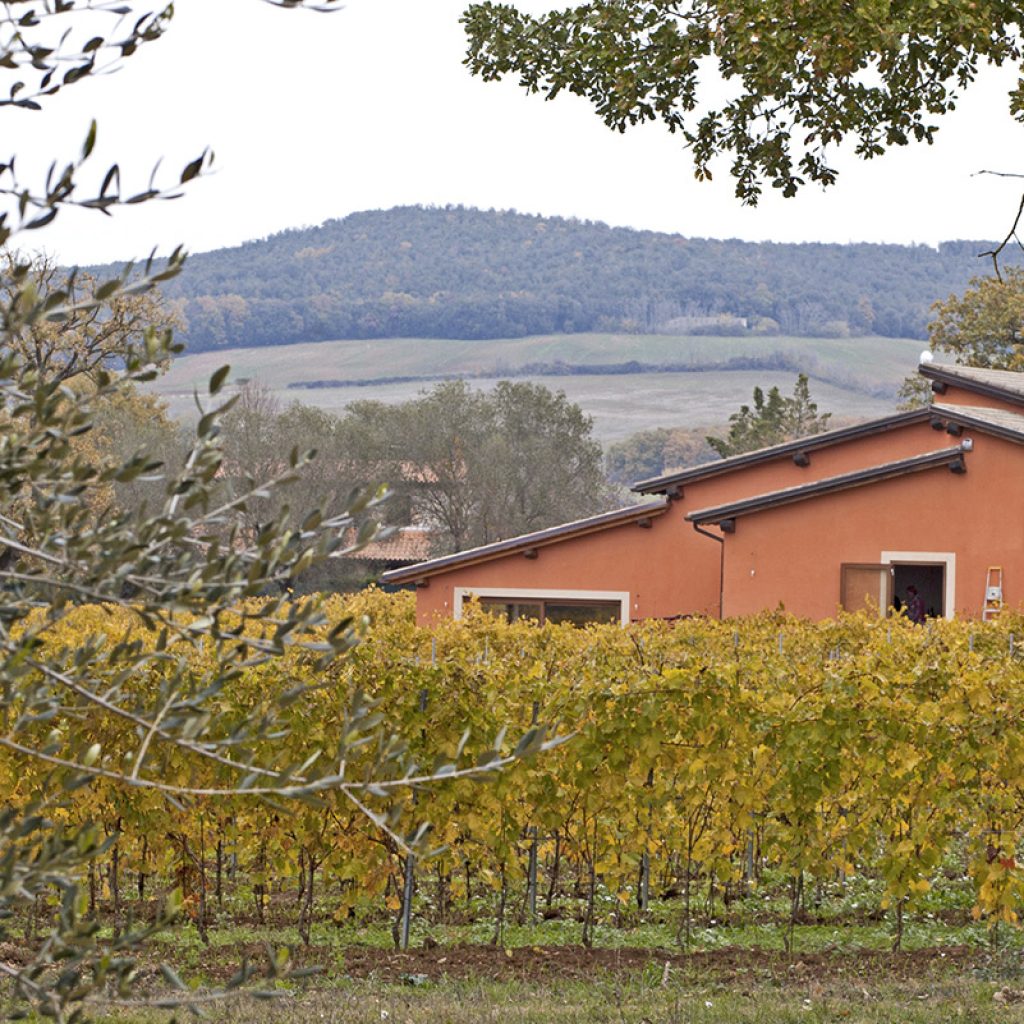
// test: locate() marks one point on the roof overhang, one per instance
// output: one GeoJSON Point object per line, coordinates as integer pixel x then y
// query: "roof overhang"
{"type": "Point", "coordinates": [953, 458]}
{"type": "Point", "coordinates": [954, 419]}
{"type": "Point", "coordinates": [981, 382]}
{"type": "Point", "coordinates": [528, 543]}
{"type": "Point", "coordinates": [797, 449]}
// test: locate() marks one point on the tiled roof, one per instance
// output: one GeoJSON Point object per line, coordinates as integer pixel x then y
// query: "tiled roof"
{"type": "Point", "coordinates": [406, 544]}
{"type": "Point", "coordinates": [952, 457]}
{"type": "Point", "coordinates": [592, 524]}
{"type": "Point", "coordinates": [998, 421]}
{"type": "Point", "coordinates": [1006, 384]}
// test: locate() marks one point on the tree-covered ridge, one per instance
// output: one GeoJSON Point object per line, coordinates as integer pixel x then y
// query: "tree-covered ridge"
{"type": "Point", "coordinates": [465, 273]}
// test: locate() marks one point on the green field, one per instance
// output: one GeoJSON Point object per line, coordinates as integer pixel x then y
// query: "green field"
{"type": "Point", "coordinates": [852, 377]}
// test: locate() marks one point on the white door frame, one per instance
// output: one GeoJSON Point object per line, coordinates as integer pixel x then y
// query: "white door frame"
{"type": "Point", "coordinates": [943, 558]}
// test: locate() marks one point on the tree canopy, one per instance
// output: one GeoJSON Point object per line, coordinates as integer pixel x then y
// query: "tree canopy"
{"type": "Point", "coordinates": [185, 570]}
{"type": "Point", "coordinates": [985, 325]}
{"type": "Point", "coordinates": [463, 273]}
{"type": "Point", "coordinates": [799, 78]}
{"type": "Point", "coordinates": [482, 466]}
{"type": "Point", "coordinates": [770, 420]}
{"type": "Point", "coordinates": [651, 453]}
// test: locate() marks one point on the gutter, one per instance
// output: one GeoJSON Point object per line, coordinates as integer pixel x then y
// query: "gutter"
{"type": "Point", "coordinates": [721, 566]}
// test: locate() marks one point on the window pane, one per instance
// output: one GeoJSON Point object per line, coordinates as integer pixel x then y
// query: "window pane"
{"type": "Point", "coordinates": [525, 611]}
{"type": "Point", "coordinates": [510, 610]}
{"type": "Point", "coordinates": [582, 614]}
{"type": "Point", "coordinates": [496, 607]}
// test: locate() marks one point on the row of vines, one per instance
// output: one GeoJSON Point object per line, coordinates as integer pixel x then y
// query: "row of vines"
{"type": "Point", "coordinates": [698, 754]}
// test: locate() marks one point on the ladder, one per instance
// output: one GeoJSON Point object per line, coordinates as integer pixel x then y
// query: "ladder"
{"type": "Point", "coordinates": [993, 593]}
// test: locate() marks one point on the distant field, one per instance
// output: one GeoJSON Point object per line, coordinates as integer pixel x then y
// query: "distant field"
{"type": "Point", "coordinates": [852, 377]}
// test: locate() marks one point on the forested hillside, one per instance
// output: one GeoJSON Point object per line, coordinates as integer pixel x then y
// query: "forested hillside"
{"type": "Point", "coordinates": [463, 273]}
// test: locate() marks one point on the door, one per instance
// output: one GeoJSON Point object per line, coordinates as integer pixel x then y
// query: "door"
{"type": "Point", "coordinates": [866, 588]}
{"type": "Point", "coordinates": [926, 581]}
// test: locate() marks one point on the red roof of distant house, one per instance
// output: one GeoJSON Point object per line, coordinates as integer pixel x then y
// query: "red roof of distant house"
{"type": "Point", "coordinates": [406, 544]}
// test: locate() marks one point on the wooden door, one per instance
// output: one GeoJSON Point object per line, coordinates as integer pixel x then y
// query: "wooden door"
{"type": "Point", "coordinates": [866, 588]}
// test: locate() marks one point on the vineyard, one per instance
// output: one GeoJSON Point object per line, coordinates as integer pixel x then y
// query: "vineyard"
{"type": "Point", "coordinates": [703, 762]}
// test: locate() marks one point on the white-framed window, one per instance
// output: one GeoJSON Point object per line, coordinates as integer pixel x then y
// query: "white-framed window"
{"type": "Point", "coordinates": [578, 606]}
{"type": "Point", "coordinates": [935, 568]}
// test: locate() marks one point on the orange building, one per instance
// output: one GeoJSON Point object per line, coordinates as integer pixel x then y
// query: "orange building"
{"type": "Point", "coordinates": [851, 518]}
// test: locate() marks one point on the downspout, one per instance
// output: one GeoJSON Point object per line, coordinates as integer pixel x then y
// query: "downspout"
{"type": "Point", "coordinates": [721, 566]}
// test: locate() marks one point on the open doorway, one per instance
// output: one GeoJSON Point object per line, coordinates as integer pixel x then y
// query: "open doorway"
{"type": "Point", "coordinates": [930, 581]}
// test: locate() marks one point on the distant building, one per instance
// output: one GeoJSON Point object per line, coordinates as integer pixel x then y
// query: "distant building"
{"type": "Point", "coordinates": [403, 546]}
{"type": "Point", "coordinates": [846, 519]}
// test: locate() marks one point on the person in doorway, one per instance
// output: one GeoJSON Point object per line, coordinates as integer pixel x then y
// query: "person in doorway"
{"type": "Point", "coordinates": [915, 605]}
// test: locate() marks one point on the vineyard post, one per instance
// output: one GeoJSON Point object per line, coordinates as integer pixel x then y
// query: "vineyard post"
{"type": "Point", "coordinates": [410, 859]}
{"type": "Point", "coordinates": [643, 892]}
{"type": "Point", "coordinates": [219, 890]}
{"type": "Point", "coordinates": [531, 885]}
{"type": "Point", "coordinates": [203, 923]}
{"type": "Point", "coordinates": [115, 874]}
{"type": "Point", "coordinates": [142, 867]}
{"type": "Point", "coordinates": [407, 893]}
{"type": "Point", "coordinates": [1011, 645]}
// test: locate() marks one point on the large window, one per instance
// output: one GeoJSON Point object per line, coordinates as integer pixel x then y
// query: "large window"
{"type": "Point", "coordinates": [579, 613]}
{"type": "Point", "coordinates": [577, 606]}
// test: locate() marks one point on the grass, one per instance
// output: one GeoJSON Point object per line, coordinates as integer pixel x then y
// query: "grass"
{"type": "Point", "coordinates": [842, 918]}
{"type": "Point", "coordinates": [645, 998]}
{"type": "Point", "coordinates": [841, 969]}
{"type": "Point", "coordinates": [851, 376]}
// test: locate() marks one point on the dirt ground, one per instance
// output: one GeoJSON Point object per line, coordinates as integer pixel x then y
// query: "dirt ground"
{"type": "Point", "coordinates": [546, 963]}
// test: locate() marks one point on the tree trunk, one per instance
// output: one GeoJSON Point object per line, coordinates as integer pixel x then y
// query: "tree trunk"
{"type": "Point", "coordinates": [553, 882]}
{"type": "Point", "coordinates": [498, 938]}
{"type": "Point", "coordinates": [588, 920]}
{"type": "Point", "coordinates": [220, 873]}
{"type": "Point", "coordinates": [306, 914]}
{"type": "Point", "coordinates": [796, 898]}
{"type": "Point", "coordinates": [115, 879]}
{"type": "Point", "coordinates": [142, 868]}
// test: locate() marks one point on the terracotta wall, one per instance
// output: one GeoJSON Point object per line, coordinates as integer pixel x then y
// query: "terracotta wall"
{"type": "Point", "coordinates": [961, 396]}
{"type": "Point", "coordinates": [665, 573]}
{"type": "Point", "coordinates": [793, 554]}
{"type": "Point", "coordinates": [889, 446]}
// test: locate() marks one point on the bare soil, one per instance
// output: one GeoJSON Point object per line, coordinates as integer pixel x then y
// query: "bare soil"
{"type": "Point", "coordinates": [546, 963]}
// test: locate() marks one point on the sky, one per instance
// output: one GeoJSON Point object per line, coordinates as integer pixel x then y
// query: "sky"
{"type": "Point", "coordinates": [313, 117]}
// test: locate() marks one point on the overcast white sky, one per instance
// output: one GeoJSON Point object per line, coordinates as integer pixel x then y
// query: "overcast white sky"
{"type": "Point", "coordinates": [315, 116]}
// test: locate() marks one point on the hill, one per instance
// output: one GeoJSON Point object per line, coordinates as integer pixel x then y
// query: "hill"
{"type": "Point", "coordinates": [472, 274]}
{"type": "Point", "coordinates": [626, 382]}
